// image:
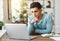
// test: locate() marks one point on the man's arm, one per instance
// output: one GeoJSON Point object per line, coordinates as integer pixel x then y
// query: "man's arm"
{"type": "Point", "coordinates": [49, 27]}
{"type": "Point", "coordinates": [30, 25]}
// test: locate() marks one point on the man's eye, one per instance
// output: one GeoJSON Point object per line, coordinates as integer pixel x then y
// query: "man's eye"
{"type": "Point", "coordinates": [35, 11]}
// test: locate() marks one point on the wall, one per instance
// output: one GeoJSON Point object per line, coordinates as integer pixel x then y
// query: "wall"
{"type": "Point", "coordinates": [1, 10]}
{"type": "Point", "coordinates": [5, 11]}
{"type": "Point", "coordinates": [57, 16]}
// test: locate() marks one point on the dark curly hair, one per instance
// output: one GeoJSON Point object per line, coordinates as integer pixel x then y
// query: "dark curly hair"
{"type": "Point", "coordinates": [35, 4]}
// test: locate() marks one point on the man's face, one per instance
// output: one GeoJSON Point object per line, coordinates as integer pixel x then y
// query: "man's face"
{"type": "Point", "coordinates": [36, 12]}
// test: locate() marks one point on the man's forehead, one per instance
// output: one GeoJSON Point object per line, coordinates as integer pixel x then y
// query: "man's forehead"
{"type": "Point", "coordinates": [34, 9]}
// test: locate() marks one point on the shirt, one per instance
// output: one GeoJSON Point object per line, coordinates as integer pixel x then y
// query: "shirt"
{"type": "Point", "coordinates": [44, 26]}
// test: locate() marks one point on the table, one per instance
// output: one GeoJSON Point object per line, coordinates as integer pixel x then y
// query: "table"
{"type": "Point", "coordinates": [2, 32]}
{"type": "Point", "coordinates": [39, 38]}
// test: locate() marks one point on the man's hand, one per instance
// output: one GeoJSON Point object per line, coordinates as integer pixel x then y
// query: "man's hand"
{"type": "Point", "coordinates": [34, 20]}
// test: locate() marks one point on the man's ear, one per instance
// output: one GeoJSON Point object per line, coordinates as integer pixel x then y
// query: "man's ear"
{"type": "Point", "coordinates": [40, 10]}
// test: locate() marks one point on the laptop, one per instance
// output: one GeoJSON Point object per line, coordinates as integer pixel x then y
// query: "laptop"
{"type": "Point", "coordinates": [18, 31]}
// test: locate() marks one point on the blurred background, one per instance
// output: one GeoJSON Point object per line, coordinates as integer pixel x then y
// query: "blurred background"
{"type": "Point", "coordinates": [17, 11]}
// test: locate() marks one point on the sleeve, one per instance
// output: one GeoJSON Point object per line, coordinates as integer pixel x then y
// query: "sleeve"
{"type": "Point", "coordinates": [29, 19]}
{"type": "Point", "coordinates": [49, 26]}
{"type": "Point", "coordinates": [30, 26]}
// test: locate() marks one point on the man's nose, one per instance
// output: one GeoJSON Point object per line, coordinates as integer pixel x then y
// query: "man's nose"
{"type": "Point", "coordinates": [34, 13]}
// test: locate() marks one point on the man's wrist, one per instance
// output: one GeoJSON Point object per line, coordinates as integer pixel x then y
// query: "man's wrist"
{"type": "Point", "coordinates": [32, 22]}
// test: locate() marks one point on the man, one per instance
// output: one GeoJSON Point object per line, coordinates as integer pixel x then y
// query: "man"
{"type": "Point", "coordinates": [39, 23]}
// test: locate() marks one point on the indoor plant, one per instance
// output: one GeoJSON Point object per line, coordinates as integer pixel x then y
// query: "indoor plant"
{"type": "Point", "coordinates": [1, 24]}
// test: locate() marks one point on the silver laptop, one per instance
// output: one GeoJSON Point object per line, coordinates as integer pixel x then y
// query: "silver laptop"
{"type": "Point", "coordinates": [18, 31]}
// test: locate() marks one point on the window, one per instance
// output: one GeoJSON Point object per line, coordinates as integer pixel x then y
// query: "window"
{"type": "Point", "coordinates": [19, 11]}
{"type": "Point", "coordinates": [15, 7]}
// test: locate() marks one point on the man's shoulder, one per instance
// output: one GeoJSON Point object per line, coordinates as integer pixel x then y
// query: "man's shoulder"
{"type": "Point", "coordinates": [47, 15]}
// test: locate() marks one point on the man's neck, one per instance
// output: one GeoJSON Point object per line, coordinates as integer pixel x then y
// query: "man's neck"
{"type": "Point", "coordinates": [40, 17]}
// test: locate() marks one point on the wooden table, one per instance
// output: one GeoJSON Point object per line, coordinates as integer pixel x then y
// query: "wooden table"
{"type": "Point", "coordinates": [39, 38]}
{"type": "Point", "coordinates": [2, 32]}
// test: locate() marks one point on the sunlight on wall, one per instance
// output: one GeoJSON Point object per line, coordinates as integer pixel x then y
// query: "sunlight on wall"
{"type": "Point", "coordinates": [1, 10]}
